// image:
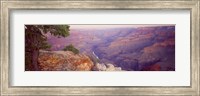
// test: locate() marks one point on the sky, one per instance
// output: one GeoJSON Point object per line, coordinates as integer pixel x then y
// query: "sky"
{"type": "Point", "coordinates": [100, 26]}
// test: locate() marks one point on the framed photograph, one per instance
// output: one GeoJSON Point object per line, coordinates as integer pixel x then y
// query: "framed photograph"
{"type": "Point", "coordinates": [91, 47]}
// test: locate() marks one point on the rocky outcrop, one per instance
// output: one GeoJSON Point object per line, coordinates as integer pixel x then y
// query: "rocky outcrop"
{"type": "Point", "coordinates": [106, 67]}
{"type": "Point", "coordinates": [64, 61]}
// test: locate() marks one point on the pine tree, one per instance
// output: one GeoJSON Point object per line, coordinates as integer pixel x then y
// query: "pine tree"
{"type": "Point", "coordinates": [36, 39]}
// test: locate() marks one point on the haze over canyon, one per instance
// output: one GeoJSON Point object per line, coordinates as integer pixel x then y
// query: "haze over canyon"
{"type": "Point", "coordinates": [140, 48]}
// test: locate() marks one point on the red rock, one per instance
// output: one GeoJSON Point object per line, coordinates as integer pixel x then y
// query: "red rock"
{"type": "Point", "coordinates": [155, 67]}
{"type": "Point", "coordinates": [64, 61]}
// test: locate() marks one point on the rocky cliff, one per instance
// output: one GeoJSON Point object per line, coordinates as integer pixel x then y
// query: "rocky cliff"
{"type": "Point", "coordinates": [68, 61]}
{"type": "Point", "coordinates": [64, 61]}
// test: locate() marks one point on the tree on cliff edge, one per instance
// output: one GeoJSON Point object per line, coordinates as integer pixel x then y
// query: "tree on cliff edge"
{"type": "Point", "coordinates": [36, 39]}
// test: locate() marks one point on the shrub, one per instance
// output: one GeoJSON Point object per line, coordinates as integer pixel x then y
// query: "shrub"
{"type": "Point", "coordinates": [71, 48]}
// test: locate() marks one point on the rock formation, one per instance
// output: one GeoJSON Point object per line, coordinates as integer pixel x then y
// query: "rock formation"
{"type": "Point", "coordinates": [106, 67]}
{"type": "Point", "coordinates": [64, 61]}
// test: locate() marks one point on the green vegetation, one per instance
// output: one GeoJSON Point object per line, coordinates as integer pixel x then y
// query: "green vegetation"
{"type": "Point", "coordinates": [71, 48]}
{"type": "Point", "coordinates": [36, 39]}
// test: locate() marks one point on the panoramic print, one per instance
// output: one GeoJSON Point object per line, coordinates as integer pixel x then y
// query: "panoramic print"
{"type": "Point", "coordinates": [100, 47]}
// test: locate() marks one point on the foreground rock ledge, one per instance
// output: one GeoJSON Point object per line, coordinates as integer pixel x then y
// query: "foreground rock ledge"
{"type": "Point", "coordinates": [64, 61]}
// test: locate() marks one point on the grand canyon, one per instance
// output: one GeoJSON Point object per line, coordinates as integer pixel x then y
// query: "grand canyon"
{"type": "Point", "coordinates": [112, 48]}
